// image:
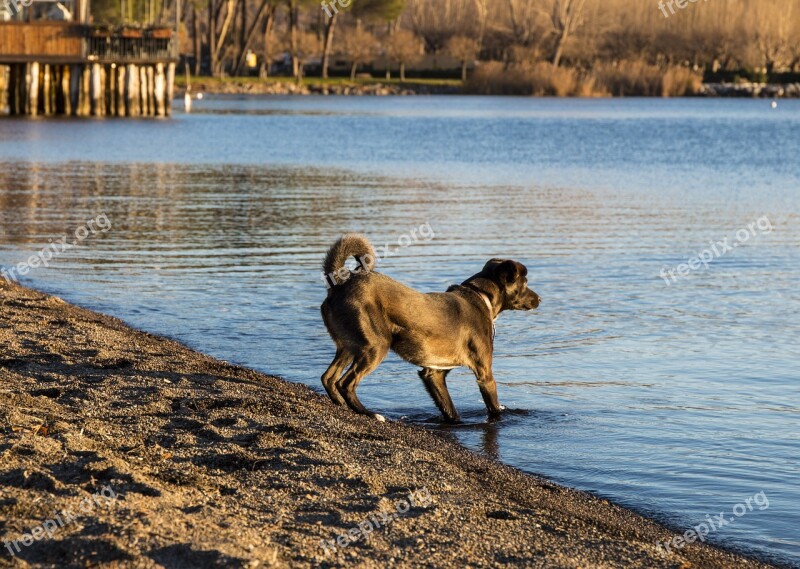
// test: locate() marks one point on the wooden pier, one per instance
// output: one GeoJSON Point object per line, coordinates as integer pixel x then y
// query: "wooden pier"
{"type": "Point", "coordinates": [63, 68]}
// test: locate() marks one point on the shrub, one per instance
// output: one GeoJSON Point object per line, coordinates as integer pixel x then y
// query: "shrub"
{"type": "Point", "coordinates": [538, 79]}
{"type": "Point", "coordinates": [637, 78]}
{"type": "Point", "coordinates": [626, 79]}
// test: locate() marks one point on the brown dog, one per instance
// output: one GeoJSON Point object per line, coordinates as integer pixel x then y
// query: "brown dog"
{"type": "Point", "coordinates": [368, 313]}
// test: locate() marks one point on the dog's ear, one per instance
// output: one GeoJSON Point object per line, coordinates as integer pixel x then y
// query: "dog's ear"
{"type": "Point", "coordinates": [509, 271]}
{"type": "Point", "coordinates": [491, 265]}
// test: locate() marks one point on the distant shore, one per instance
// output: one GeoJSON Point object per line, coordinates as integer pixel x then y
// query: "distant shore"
{"type": "Point", "coordinates": [205, 464]}
{"type": "Point", "coordinates": [378, 87]}
{"type": "Point", "coordinates": [315, 86]}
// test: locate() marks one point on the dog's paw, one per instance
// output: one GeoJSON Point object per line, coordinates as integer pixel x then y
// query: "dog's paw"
{"type": "Point", "coordinates": [379, 418]}
{"type": "Point", "coordinates": [503, 407]}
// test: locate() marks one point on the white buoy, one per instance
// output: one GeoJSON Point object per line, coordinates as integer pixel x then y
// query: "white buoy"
{"type": "Point", "coordinates": [774, 104]}
{"type": "Point", "coordinates": [199, 96]}
{"type": "Point", "coordinates": [187, 102]}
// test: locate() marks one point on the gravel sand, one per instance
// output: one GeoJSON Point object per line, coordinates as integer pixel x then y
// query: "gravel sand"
{"type": "Point", "coordinates": [124, 449]}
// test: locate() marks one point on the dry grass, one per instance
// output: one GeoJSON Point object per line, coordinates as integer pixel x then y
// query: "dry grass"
{"type": "Point", "coordinates": [637, 78]}
{"type": "Point", "coordinates": [541, 79]}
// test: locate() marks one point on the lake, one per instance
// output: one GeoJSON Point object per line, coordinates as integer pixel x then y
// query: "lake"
{"type": "Point", "coordinates": [661, 369]}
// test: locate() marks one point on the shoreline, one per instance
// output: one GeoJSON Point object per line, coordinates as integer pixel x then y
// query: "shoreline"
{"type": "Point", "coordinates": [214, 465]}
{"type": "Point", "coordinates": [313, 86]}
{"type": "Point", "coordinates": [377, 87]}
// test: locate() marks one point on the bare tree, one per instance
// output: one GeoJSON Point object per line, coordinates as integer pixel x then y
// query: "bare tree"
{"type": "Point", "coordinates": [306, 47]}
{"type": "Point", "coordinates": [294, 15]}
{"type": "Point", "coordinates": [793, 51]}
{"type": "Point", "coordinates": [330, 28]}
{"type": "Point", "coordinates": [271, 44]}
{"type": "Point", "coordinates": [464, 49]}
{"type": "Point", "coordinates": [523, 16]}
{"type": "Point", "coordinates": [771, 33]}
{"type": "Point", "coordinates": [196, 42]}
{"type": "Point", "coordinates": [266, 10]}
{"type": "Point", "coordinates": [402, 48]}
{"type": "Point", "coordinates": [359, 46]}
{"type": "Point", "coordinates": [567, 16]}
{"type": "Point", "coordinates": [482, 16]}
{"type": "Point", "coordinates": [436, 21]}
{"type": "Point", "coordinates": [724, 35]}
{"type": "Point", "coordinates": [217, 38]}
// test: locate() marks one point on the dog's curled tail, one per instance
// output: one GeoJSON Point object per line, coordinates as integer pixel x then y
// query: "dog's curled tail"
{"type": "Point", "coordinates": [349, 245]}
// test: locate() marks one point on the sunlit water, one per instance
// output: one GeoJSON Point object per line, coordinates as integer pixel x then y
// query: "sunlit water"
{"type": "Point", "coordinates": [678, 400]}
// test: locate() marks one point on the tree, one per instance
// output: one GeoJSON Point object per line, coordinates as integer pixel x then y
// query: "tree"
{"type": "Point", "coordinates": [771, 35]}
{"type": "Point", "coordinates": [402, 48]}
{"type": "Point", "coordinates": [294, 7]}
{"type": "Point", "coordinates": [293, 25]}
{"type": "Point", "coordinates": [196, 46]}
{"type": "Point", "coordinates": [435, 21]}
{"type": "Point", "coordinates": [465, 50]}
{"type": "Point", "coordinates": [359, 47]}
{"type": "Point", "coordinates": [306, 46]}
{"type": "Point", "coordinates": [522, 19]}
{"type": "Point", "coordinates": [330, 27]}
{"type": "Point", "coordinates": [266, 12]}
{"type": "Point", "coordinates": [727, 35]}
{"type": "Point", "coordinates": [272, 44]}
{"type": "Point", "coordinates": [218, 36]}
{"type": "Point", "coordinates": [381, 9]}
{"type": "Point", "coordinates": [567, 16]}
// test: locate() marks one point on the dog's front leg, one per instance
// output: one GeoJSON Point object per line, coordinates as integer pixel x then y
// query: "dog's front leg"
{"type": "Point", "coordinates": [488, 387]}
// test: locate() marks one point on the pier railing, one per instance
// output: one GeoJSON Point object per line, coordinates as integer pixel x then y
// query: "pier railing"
{"type": "Point", "coordinates": [121, 49]}
{"type": "Point", "coordinates": [60, 42]}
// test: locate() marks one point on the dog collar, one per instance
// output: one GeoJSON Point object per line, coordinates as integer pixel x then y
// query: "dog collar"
{"type": "Point", "coordinates": [485, 298]}
{"type": "Point", "coordinates": [489, 306]}
{"type": "Point", "coordinates": [488, 303]}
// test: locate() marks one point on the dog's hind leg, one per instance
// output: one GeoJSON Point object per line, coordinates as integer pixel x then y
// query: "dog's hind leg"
{"type": "Point", "coordinates": [434, 380]}
{"type": "Point", "coordinates": [363, 365]}
{"type": "Point", "coordinates": [333, 373]}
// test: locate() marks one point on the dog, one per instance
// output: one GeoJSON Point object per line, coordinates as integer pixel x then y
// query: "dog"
{"type": "Point", "coordinates": [367, 314]}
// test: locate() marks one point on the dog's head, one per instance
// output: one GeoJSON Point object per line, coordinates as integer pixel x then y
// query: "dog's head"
{"type": "Point", "coordinates": [512, 279]}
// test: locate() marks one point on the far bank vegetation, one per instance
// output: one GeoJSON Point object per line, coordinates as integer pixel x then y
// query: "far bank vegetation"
{"type": "Point", "coordinates": [526, 47]}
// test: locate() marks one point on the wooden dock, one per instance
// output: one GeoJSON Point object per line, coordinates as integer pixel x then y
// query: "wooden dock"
{"type": "Point", "coordinates": [62, 68]}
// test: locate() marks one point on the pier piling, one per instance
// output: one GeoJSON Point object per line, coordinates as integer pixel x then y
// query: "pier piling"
{"type": "Point", "coordinates": [94, 89]}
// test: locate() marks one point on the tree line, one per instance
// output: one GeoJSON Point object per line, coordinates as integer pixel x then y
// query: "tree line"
{"type": "Point", "coordinates": [711, 35]}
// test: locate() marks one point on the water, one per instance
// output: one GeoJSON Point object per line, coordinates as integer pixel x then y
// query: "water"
{"type": "Point", "coordinates": [679, 400]}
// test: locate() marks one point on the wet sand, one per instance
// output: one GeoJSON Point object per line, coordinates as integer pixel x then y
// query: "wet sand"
{"type": "Point", "coordinates": [198, 463]}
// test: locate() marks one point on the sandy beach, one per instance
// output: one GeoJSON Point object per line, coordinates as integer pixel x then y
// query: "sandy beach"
{"type": "Point", "coordinates": [144, 453]}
